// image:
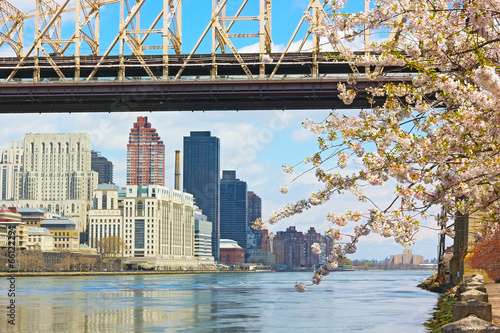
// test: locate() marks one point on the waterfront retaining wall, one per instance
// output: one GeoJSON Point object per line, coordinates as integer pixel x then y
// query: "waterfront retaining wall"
{"type": "Point", "coordinates": [473, 313]}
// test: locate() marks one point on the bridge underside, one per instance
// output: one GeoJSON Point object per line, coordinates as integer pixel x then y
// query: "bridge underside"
{"type": "Point", "coordinates": [299, 81]}
{"type": "Point", "coordinates": [178, 96]}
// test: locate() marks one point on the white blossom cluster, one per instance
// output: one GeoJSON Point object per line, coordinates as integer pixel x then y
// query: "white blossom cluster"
{"type": "Point", "coordinates": [436, 137]}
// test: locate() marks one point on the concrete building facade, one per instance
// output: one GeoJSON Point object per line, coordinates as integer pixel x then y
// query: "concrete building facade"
{"type": "Point", "coordinates": [56, 175]}
{"type": "Point", "coordinates": [202, 238]}
{"type": "Point", "coordinates": [40, 239]}
{"type": "Point", "coordinates": [406, 258]}
{"type": "Point", "coordinates": [159, 225]}
{"type": "Point", "coordinates": [11, 162]}
{"type": "Point", "coordinates": [259, 256]}
{"type": "Point", "coordinates": [105, 217]}
{"type": "Point", "coordinates": [8, 218]}
{"type": "Point", "coordinates": [65, 233]}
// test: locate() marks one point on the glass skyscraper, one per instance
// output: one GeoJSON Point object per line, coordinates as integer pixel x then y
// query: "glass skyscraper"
{"type": "Point", "coordinates": [201, 178]}
{"type": "Point", "coordinates": [102, 166]}
{"type": "Point", "coordinates": [233, 208]}
{"type": "Point", "coordinates": [254, 211]}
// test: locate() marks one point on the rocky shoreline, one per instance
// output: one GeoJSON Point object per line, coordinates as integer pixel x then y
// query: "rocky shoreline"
{"type": "Point", "coordinates": [460, 308]}
{"type": "Point", "coordinates": [443, 312]}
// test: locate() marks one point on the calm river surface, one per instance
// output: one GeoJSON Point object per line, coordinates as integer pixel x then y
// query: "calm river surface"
{"type": "Point", "coordinates": [360, 301]}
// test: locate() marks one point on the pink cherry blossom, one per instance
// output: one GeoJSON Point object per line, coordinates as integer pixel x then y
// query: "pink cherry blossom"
{"type": "Point", "coordinates": [316, 248]}
{"type": "Point", "coordinates": [431, 137]}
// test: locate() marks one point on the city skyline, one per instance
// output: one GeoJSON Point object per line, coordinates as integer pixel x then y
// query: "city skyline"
{"type": "Point", "coordinates": [256, 144]}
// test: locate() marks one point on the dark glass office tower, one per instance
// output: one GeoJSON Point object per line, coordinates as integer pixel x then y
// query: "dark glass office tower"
{"type": "Point", "coordinates": [233, 208]}
{"type": "Point", "coordinates": [201, 178]}
{"type": "Point", "coordinates": [102, 166]}
{"type": "Point", "coordinates": [254, 211]}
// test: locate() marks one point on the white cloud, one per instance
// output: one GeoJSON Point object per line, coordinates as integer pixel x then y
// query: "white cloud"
{"type": "Point", "coordinates": [254, 48]}
{"type": "Point", "coordinates": [7, 52]}
{"type": "Point", "coordinates": [26, 6]}
{"type": "Point", "coordinates": [302, 135]}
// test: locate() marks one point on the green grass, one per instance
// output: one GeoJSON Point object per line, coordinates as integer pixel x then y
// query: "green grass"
{"type": "Point", "coordinates": [443, 314]}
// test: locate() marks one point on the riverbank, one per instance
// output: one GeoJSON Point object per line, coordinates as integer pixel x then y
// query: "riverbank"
{"type": "Point", "coordinates": [122, 273]}
{"type": "Point", "coordinates": [443, 311]}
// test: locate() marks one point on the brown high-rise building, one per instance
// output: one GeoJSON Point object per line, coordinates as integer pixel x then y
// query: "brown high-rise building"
{"type": "Point", "coordinates": [145, 155]}
{"type": "Point", "coordinates": [266, 241]}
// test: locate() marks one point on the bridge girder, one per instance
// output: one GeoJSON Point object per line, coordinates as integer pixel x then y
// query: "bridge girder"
{"type": "Point", "coordinates": [132, 38]}
{"type": "Point", "coordinates": [11, 31]}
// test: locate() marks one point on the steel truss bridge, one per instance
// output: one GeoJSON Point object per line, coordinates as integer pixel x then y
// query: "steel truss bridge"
{"type": "Point", "coordinates": [145, 69]}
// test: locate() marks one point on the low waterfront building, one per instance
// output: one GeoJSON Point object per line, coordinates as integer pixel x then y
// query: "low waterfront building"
{"type": "Point", "coordinates": [33, 217]}
{"type": "Point", "coordinates": [87, 250]}
{"type": "Point", "coordinates": [231, 253]}
{"type": "Point", "coordinates": [9, 217]}
{"type": "Point", "coordinates": [261, 257]}
{"type": "Point", "coordinates": [66, 236]}
{"type": "Point", "coordinates": [75, 210]}
{"type": "Point", "coordinates": [407, 258]}
{"type": "Point", "coordinates": [40, 239]}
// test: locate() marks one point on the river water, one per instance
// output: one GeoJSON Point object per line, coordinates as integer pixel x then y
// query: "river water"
{"type": "Point", "coordinates": [360, 301]}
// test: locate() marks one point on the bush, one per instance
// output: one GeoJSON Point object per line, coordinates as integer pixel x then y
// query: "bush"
{"type": "Point", "coordinates": [486, 256]}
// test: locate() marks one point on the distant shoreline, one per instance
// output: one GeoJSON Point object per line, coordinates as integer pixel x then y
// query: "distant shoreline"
{"type": "Point", "coordinates": [18, 274]}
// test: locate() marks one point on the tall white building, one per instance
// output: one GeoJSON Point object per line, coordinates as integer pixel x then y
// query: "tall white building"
{"type": "Point", "coordinates": [11, 163]}
{"type": "Point", "coordinates": [105, 217]}
{"type": "Point", "coordinates": [56, 175]}
{"type": "Point", "coordinates": [56, 167]}
{"type": "Point", "coordinates": [158, 224]}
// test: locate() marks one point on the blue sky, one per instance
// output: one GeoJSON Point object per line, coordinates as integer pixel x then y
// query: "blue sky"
{"type": "Point", "coordinates": [254, 143]}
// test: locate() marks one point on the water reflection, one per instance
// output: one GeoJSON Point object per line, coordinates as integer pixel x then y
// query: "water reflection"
{"type": "Point", "coordinates": [347, 302]}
